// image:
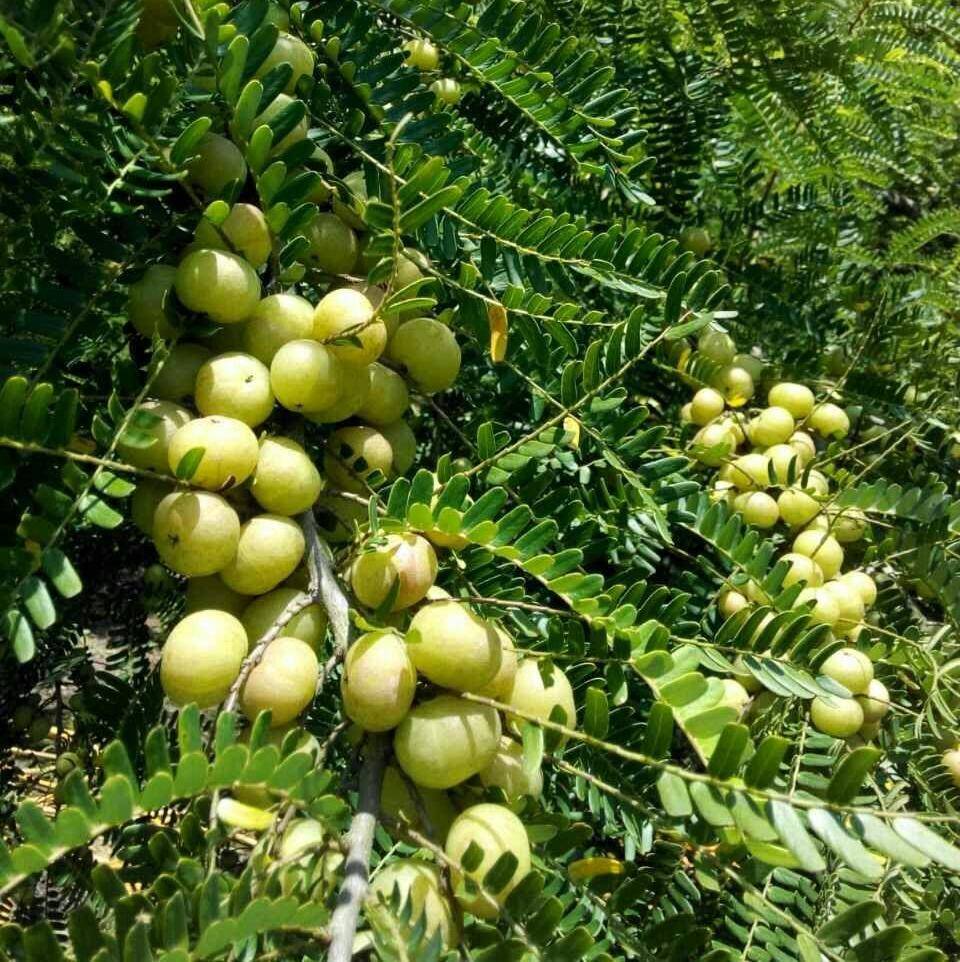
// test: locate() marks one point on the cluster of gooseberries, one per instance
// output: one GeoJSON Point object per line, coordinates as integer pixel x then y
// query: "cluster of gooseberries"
{"type": "Point", "coordinates": [765, 472]}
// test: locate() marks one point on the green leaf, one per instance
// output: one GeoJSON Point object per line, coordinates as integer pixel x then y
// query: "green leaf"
{"type": "Point", "coordinates": [674, 796]}
{"type": "Point", "coordinates": [532, 749]}
{"type": "Point", "coordinates": [794, 835]}
{"type": "Point", "coordinates": [37, 601]}
{"type": "Point", "coordinates": [849, 923]}
{"type": "Point", "coordinates": [852, 770]}
{"type": "Point", "coordinates": [725, 758]}
{"type": "Point", "coordinates": [844, 846]}
{"type": "Point", "coordinates": [927, 841]}
{"type": "Point", "coordinates": [596, 715]}
{"type": "Point", "coordinates": [61, 573]}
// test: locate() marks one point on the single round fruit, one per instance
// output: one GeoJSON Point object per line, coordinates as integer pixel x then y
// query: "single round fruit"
{"type": "Point", "coordinates": [686, 413]}
{"type": "Point", "coordinates": [696, 240]}
{"type": "Point", "coordinates": [149, 306]}
{"type": "Point", "coordinates": [825, 609]}
{"type": "Point", "coordinates": [230, 451]}
{"type": "Point", "coordinates": [735, 384]}
{"type": "Point", "coordinates": [951, 761]}
{"type": "Point", "coordinates": [244, 231]}
{"type": "Point", "coordinates": [756, 594]}
{"type": "Point", "coordinates": [829, 421]}
{"type": "Point", "coordinates": [397, 801]}
{"type": "Point", "coordinates": [351, 209]}
{"type": "Point", "coordinates": [275, 321]}
{"type": "Point", "coordinates": [797, 508]}
{"type": "Point", "coordinates": [498, 688]}
{"type": "Point", "coordinates": [218, 162]}
{"type": "Point", "coordinates": [864, 585]}
{"type": "Point", "coordinates": [717, 345]}
{"type": "Point", "coordinates": [196, 532]}
{"type": "Point", "coordinates": [284, 682]}
{"type": "Point", "coordinates": [418, 885]}
{"type": "Point", "coordinates": [452, 647]}
{"type": "Point", "coordinates": [208, 592]}
{"type": "Point", "coordinates": [446, 740]}
{"type": "Point", "coordinates": [428, 351]}
{"type": "Point", "coordinates": [447, 90]}
{"type": "Point", "coordinates": [804, 445]}
{"type": "Point", "coordinates": [839, 717]}
{"type": "Point", "coordinates": [802, 569]}
{"type": "Point", "coordinates": [771, 426]}
{"type": "Point", "coordinates": [143, 503]}
{"type": "Point", "coordinates": [344, 317]}
{"type": "Point", "coordinates": [387, 399]}
{"type": "Point", "coordinates": [405, 559]}
{"type": "Point", "coordinates": [422, 54]}
{"type": "Point", "coordinates": [706, 405]}
{"type": "Point", "coordinates": [795, 398]}
{"type": "Point", "coordinates": [289, 50]}
{"type": "Point", "coordinates": [306, 376]}
{"type": "Point", "coordinates": [730, 602]}
{"type": "Point", "coordinates": [850, 668]}
{"type": "Point", "coordinates": [378, 681]}
{"type": "Point", "coordinates": [815, 482]}
{"type": "Point", "coordinates": [219, 284]}
{"type": "Point", "coordinates": [353, 454]}
{"type": "Point", "coordinates": [850, 604]}
{"type": "Point", "coordinates": [333, 245]}
{"type": "Point", "coordinates": [355, 389]}
{"type": "Point", "coordinates": [273, 110]}
{"type": "Point", "coordinates": [259, 616]}
{"type": "Point", "coordinates": [786, 462]}
{"type": "Point", "coordinates": [533, 695]}
{"type": "Point", "coordinates": [757, 508]}
{"type": "Point", "coordinates": [875, 702]}
{"type": "Point", "coordinates": [237, 386]}
{"type": "Point", "coordinates": [159, 420]}
{"type": "Point", "coordinates": [713, 444]}
{"type": "Point", "coordinates": [269, 549]}
{"type": "Point", "coordinates": [749, 471]}
{"type": "Point", "coordinates": [824, 549]}
{"type": "Point", "coordinates": [848, 524]}
{"type": "Point", "coordinates": [734, 695]}
{"type": "Point", "coordinates": [495, 830]}
{"type": "Point", "coordinates": [285, 480]}
{"type": "Point", "coordinates": [403, 443]}
{"type": "Point", "coordinates": [505, 771]}
{"type": "Point", "coordinates": [201, 658]}
{"type": "Point", "coordinates": [178, 374]}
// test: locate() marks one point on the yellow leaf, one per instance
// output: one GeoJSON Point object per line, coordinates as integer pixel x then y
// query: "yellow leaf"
{"type": "Point", "coordinates": [497, 318]}
{"type": "Point", "coordinates": [587, 868]}
{"type": "Point", "coordinates": [572, 426]}
{"type": "Point", "coordinates": [237, 815]}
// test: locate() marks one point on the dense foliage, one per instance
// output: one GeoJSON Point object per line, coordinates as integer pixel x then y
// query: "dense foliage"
{"type": "Point", "coordinates": [630, 225]}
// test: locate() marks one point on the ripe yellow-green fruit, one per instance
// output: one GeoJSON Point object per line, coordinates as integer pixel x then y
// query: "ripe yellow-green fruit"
{"type": "Point", "coordinates": [353, 454]}
{"type": "Point", "coordinates": [178, 374]}
{"type": "Point", "coordinates": [781, 457]}
{"type": "Point", "coordinates": [277, 320]}
{"type": "Point", "coordinates": [532, 695]}
{"type": "Point", "coordinates": [735, 384]}
{"type": "Point", "coordinates": [269, 549]}
{"type": "Point", "coordinates": [302, 835]}
{"type": "Point", "coordinates": [750, 363]}
{"type": "Point", "coordinates": [446, 740]}
{"type": "Point", "coordinates": [864, 585]}
{"type": "Point", "coordinates": [289, 50]}
{"type": "Point", "coordinates": [713, 444]}
{"type": "Point", "coordinates": [447, 90]}
{"type": "Point", "coordinates": [717, 345]}
{"type": "Point", "coordinates": [397, 801]}
{"type": "Point", "coordinates": [499, 686]}
{"type": "Point", "coordinates": [771, 426]}
{"type": "Point", "coordinates": [143, 503]}
{"type": "Point", "coordinates": [345, 316]}
{"type": "Point", "coordinates": [285, 480]}
{"type": "Point", "coordinates": [154, 456]}
{"type": "Point", "coordinates": [697, 240]}
{"type": "Point", "coordinates": [495, 830]}
{"type": "Point", "coordinates": [804, 445]}
{"type": "Point", "coordinates": [734, 695]}
{"type": "Point", "coordinates": [409, 267]}
{"type": "Point", "coordinates": [230, 451]}
{"type": "Point", "coordinates": [237, 386]}
{"type": "Point", "coordinates": [706, 405]}
{"type": "Point", "coordinates": [196, 532]}
{"type": "Point", "coordinates": [305, 376]}
{"type": "Point", "coordinates": [333, 245]}
{"type": "Point", "coordinates": [749, 471]}
{"type": "Point", "coordinates": [403, 443]}
{"type": "Point", "coordinates": [816, 483]}
{"type": "Point", "coordinates": [387, 398]}
{"type": "Point", "coordinates": [732, 423]}
{"type": "Point", "coordinates": [217, 163]}
{"type": "Point", "coordinates": [825, 609]}
{"type": "Point", "coordinates": [730, 602]}
{"type": "Point", "coordinates": [148, 305]}
{"type": "Point", "coordinates": [219, 284]}
{"type": "Point", "coordinates": [829, 421]}
{"type": "Point", "coordinates": [355, 389]}
{"type": "Point", "coordinates": [378, 681]}
{"type": "Point", "coordinates": [201, 658]}
{"type": "Point", "coordinates": [405, 559]}
{"type": "Point", "coordinates": [744, 676]}
{"type": "Point", "coordinates": [210, 592]}
{"type": "Point", "coordinates": [802, 569]}
{"type": "Point", "coordinates": [352, 209]}
{"type": "Point", "coordinates": [875, 702]}
{"type": "Point", "coordinates": [686, 413]}
{"type": "Point", "coordinates": [850, 668]}
{"type": "Point", "coordinates": [428, 351]}
{"type": "Point", "coordinates": [839, 717]}
{"type": "Point", "coordinates": [951, 762]}
{"type": "Point", "coordinates": [419, 885]}
{"type": "Point", "coordinates": [277, 107]}
{"type": "Point", "coordinates": [756, 594]}
{"type": "Point", "coordinates": [757, 508]}
{"type": "Point", "coordinates": [795, 398]}
{"type": "Point", "coordinates": [452, 647]}
{"type": "Point", "coordinates": [797, 508]}
{"type": "Point", "coordinates": [244, 231]}
{"type": "Point", "coordinates": [283, 683]}
{"type": "Point", "coordinates": [422, 54]}
{"type": "Point", "coordinates": [850, 604]}
{"type": "Point", "coordinates": [823, 548]}
{"type": "Point", "coordinates": [847, 524]}
{"type": "Point", "coordinates": [505, 771]}
{"type": "Point", "coordinates": [309, 624]}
